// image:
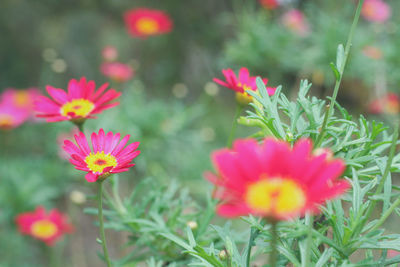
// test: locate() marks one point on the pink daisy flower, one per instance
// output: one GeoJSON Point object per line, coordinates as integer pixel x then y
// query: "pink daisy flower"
{"type": "Point", "coordinates": [295, 21]}
{"type": "Point", "coordinates": [144, 22]}
{"type": "Point", "coordinates": [12, 116]}
{"type": "Point", "coordinates": [376, 11]}
{"type": "Point", "coordinates": [273, 180]}
{"type": "Point", "coordinates": [242, 83]}
{"type": "Point", "coordinates": [388, 104]}
{"type": "Point", "coordinates": [47, 227]}
{"type": "Point", "coordinates": [117, 71]}
{"type": "Point", "coordinates": [269, 4]}
{"type": "Point", "coordinates": [108, 155]}
{"type": "Point", "coordinates": [23, 99]}
{"type": "Point", "coordinates": [81, 101]}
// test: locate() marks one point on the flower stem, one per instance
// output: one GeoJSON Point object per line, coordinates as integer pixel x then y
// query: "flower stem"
{"type": "Point", "coordinates": [102, 235]}
{"type": "Point", "coordinates": [273, 259]}
{"type": "Point", "coordinates": [239, 109]}
{"type": "Point", "coordinates": [254, 232]}
{"type": "Point", "coordinates": [341, 71]}
{"type": "Point", "coordinates": [309, 222]}
{"type": "Point", "coordinates": [385, 215]}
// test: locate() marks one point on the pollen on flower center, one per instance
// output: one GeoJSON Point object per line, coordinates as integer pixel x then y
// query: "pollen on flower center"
{"type": "Point", "coordinates": [77, 108]}
{"type": "Point", "coordinates": [21, 99]}
{"type": "Point", "coordinates": [6, 120]}
{"type": "Point", "coordinates": [275, 196]}
{"type": "Point", "coordinates": [147, 26]}
{"type": "Point", "coordinates": [99, 161]}
{"type": "Point", "coordinates": [43, 229]}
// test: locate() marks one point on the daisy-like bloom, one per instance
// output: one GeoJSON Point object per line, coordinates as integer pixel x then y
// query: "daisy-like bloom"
{"type": "Point", "coordinates": [144, 22]}
{"type": "Point", "coordinates": [108, 156]}
{"type": "Point", "coordinates": [22, 99]}
{"type": "Point", "coordinates": [117, 71]}
{"type": "Point", "coordinates": [388, 104]}
{"type": "Point", "coordinates": [273, 180]}
{"type": "Point", "coordinates": [109, 53]}
{"type": "Point", "coordinates": [81, 101]}
{"type": "Point", "coordinates": [12, 116]}
{"type": "Point", "coordinates": [296, 22]}
{"type": "Point", "coordinates": [270, 4]}
{"type": "Point", "coordinates": [376, 11]}
{"type": "Point", "coordinates": [47, 227]}
{"type": "Point", "coordinates": [242, 83]}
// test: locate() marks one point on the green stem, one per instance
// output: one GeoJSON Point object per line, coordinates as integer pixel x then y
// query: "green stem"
{"type": "Point", "coordinates": [102, 235]}
{"type": "Point", "coordinates": [310, 222]}
{"type": "Point", "coordinates": [341, 71]}
{"type": "Point", "coordinates": [385, 215]}
{"type": "Point", "coordinates": [239, 109]}
{"type": "Point", "coordinates": [386, 171]}
{"type": "Point", "coordinates": [273, 259]}
{"type": "Point", "coordinates": [254, 232]}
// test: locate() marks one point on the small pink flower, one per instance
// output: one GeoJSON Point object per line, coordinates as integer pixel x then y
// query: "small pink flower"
{"type": "Point", "coordinates": [108, 156]}
{"type": "Point", "coordinates": [372, 52]}
{"type": "Point", "coordinates": [274, 180]}
{"type": "Point", "coordinates": [242, 83]}
{"type": "Point", "coordinates": [117, 71]}
{"type": "Point", "coordinates": [144, 22]}
{"type": "Point", "coordinates": [110, 53]}
{"type": "Point", "coordinates": [12, 116]}
{"type": "Point", "coordinates": [376, 11]}
{"type": "Point", "coordinates": [23, 99]}
{"type": "Point", "coordinates": [388, 104]}
{"type": "Point", "coordinates": [295, 21]}
{"type": "Point", "coordinates": [81, 101]}
{"type": "Point", "coordinates": [269, 4]}
{"type": "Point", "coordinates": [47, 227]}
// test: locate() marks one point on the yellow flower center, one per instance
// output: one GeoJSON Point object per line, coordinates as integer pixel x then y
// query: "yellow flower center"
{"type": "Point", "coordinates": [275, 196]}
{"type": "Point", "coordinates": [6, 120]}
{"type": "Point", "coordinates": [77, 108]}
{"type": "Point", "coordinates": [21, 99]}
{"type": "Point", "coordinates": [147, 26]}
{"type": "Point", "coordinates": [99, 161]}
{"type": "Point", "coordinates": [243, 98]}
{"type": "Point", "coordinates": [43, 229]}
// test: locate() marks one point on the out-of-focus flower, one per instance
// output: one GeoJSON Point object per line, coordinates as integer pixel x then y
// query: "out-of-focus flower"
{"type": "Point", "coordinates": [392, 253]}
{"type": "Point", "coordinates": [23, 99]}
{"type": "Point", "coordinates": [295, 21]}
{"type": "Point", "coordinates": [60, 142]}
{"type": "Point", "coordinates": [372, 52]}
{"type": "Point", "coordinates": [376, 11]}
{"type": "Point", "coordinates": [108, 156]}
{"type": "Point", "coordinates": [241, 84]}
{"type": "Point", "coordinates": [81, 101]}
{"type": "Point", "coordinates": [273, 180]}
{"type": "Point", "coordinates": [11, 116]}
{"type": "Point", "coordinates": [269, 4]}
{"type": "Point", "coordinates": [47, 227]}
{"type": "Point", "coordinates": [388, 104]}
{"type": "Point", "coordinates": [77, 197]}
{"type": "Point", "coordinates": [110, 53]}
{"type": "Point", "coordinates": [117, 71]}
{"type": "Point", "coordinates": [144, 22]}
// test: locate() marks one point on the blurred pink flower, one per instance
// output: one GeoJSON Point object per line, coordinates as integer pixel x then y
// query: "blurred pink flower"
{"type": "Point", "coordinates": [144, 22]}
{"type": "Point", "coordinates": [117, 71]}
{"type": "Point", "coordinates": [269, 4]}
{"type": "Point", "coordinates": [372, 52]}
{"type": "Point", "coordinates": [388, 104]}
{"type": "Point", "coordinates": [22, 99]}
{"type": "Point", "coordinates": [295, 21]}
{"type": "Point", "coordinates": [392, 253]}
{"type": "Point", "coordinates": [376, 11]}
{"type": "Point", "coordinates": [110, 53]}
{"type": "Point", "coordinates": [12, 116]}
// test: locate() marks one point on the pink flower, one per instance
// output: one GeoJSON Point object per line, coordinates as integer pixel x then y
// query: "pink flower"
{"type": "Point", "coordinates": [48, 228]}
{"type": "Point", "coordinates": [273, 180]}
{"type": "Point", "coordinates": [269, 4]}
{"type": "Point", "coordinates": [22, 99]}
{"type": "Point", "coordinates": [376, 11]}
{"type": "Point", "coordinates": [81, 101]}
{"type": "Point", "coordinates": [108, 156]}
{"type": "Point", "coordinates": [60, 142]}
{"type": "Point", "coordinates": [295, 21]}
{"type": "Point", "coordinates": [117, 71]}
{"type": "Point", "coordinates": [241, 84]}
{"type": "Point", "coordinates": [372, 52]}
{"type": "Point", "coordinates": [144, 22]}
{"type": "Point", "coordinates": [12, 116]}
{"type": "Point", "coordinates": [110, 53]}
{"type": "Point", "coordinates": [388, 104]}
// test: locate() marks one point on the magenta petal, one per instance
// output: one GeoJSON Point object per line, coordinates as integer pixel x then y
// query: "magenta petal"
{"type": "Point", "coordinates": [91, 177]}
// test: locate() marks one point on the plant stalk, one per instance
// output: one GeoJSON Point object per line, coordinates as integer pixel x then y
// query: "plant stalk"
{"type": "Point", "coordinates": [101, 221]}
{"type": "Point", "coordinates": [254, 232]}
{"type": "Point", "coordinates": [341, 71]}
{"type": "Point", "coordinates": [273, 259]}
{"type": "Point", "coordinates": [239, 109]}
{"type": "Point", "coordinates": [310, 223]}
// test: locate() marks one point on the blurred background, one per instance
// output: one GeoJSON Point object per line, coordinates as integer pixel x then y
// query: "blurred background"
{"type": "Point", "coordinates": [169, 103]}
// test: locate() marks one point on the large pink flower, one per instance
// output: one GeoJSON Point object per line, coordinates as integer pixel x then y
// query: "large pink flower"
{"type": "Point", "coordinates": [242, 83]}
{"type": "Point", "coordinates": [117, 71]}
{"type": "Point", "coordinates": [47, 227]}
{"type": "Point", "coordinates": [108, 155]}
{"type": "Point", "coordinates": [81, 101]}
{"type": "Point", "coordinates": [144, 22]}
{"type": "Point", "coordinates": [376, 11]}
{"type": "Point", "coordinates": [12, 116]}
{"type": "Point", "coordinates": [273, 180]}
